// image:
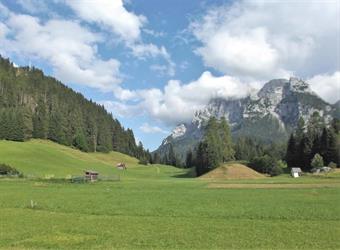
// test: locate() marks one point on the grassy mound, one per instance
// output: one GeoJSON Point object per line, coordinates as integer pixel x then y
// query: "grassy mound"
{"type": "Point", "coordinates": [40, 158]}
{"type": "Point", "coordinates": [233, 171]}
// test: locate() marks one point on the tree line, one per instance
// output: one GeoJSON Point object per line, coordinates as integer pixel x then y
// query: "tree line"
{"type": "Point", "coordinates": [33, 105]}
{"type": "Point", "coordinates": [214, 149]}
{"type": "Point", "coordinates": [314, 139]}
{"type": "Point", "coordinates": [313, 144]}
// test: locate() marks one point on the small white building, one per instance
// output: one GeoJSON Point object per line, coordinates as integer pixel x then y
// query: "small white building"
{"type": "Point", "coordinates": [296, 172]}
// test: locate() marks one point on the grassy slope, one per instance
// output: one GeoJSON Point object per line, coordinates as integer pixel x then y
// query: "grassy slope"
{"type": "Point", "coordinates": [232, 171]}
{"type": "Point", "coordinates": [151, 209]}
{"type": "Point", "coordinates": [39, 158]}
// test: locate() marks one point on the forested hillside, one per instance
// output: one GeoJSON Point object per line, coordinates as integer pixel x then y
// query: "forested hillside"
{"type": "Point", "coordinates": [33, 105]}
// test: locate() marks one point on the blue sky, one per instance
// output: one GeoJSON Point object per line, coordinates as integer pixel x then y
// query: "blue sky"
{"type": "Point", "coordinates": [154, 63]}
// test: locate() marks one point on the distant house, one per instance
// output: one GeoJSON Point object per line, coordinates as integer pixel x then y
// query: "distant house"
{"type": "Point", "coordinates": [91, 175]}
{"type": "Point", "coordinates": [121, 166]}
{"type": "Point", "coordinates": [296, 172]}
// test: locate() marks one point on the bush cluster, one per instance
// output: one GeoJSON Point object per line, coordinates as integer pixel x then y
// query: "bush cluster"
{"type": "Point", "coordinates": [8, 170]}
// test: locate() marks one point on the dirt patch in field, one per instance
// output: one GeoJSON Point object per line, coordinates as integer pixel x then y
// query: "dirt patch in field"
{"type": "Point", "coordinates": [233, 171]}
{"type": "Point", "coordinates": [272, 186]}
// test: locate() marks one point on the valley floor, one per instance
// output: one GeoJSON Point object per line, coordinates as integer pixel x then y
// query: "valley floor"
{"type": "Point", "coordinates": [158, 207]}
{"type": "Point", "coordinates": [166, 213]}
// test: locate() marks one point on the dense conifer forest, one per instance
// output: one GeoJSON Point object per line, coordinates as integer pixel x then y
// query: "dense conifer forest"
{"type": "Point", "coordinates": [33, 105]}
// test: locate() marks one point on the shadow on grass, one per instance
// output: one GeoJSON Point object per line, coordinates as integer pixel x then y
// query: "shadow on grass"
{"type": "Point", "coordinates": [190, 173]}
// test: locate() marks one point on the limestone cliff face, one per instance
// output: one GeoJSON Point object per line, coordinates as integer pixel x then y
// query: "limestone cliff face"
{"type": "Point", "coordinates": [270, 114]}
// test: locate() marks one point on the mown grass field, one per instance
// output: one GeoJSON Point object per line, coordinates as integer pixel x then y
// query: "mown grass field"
{"type": "Point", "coordinates": [156, 207]}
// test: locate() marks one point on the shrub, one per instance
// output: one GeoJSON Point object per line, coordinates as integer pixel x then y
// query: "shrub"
{"type": "Point", "coordinates": [317, 161]}
{"type": "Point", "coordinates": [332, 165]}
{"type": "Point", "coordinates": [278, 168]}
{"type": "Point", "coordinates": [263, 164]}
{"type": "Point", "coordinates": [8, 170]}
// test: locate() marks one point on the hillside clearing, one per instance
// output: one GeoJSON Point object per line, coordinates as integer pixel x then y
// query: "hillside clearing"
{"type": "Point", "coordinates": [40, 158]}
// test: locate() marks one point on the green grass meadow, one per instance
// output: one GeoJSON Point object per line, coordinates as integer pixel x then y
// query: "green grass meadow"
{"type": "Point", "coordinates": [155, 207]}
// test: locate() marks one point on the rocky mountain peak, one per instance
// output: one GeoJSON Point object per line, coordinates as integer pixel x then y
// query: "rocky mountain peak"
{"type": "Point", "coordinates": [178, 131]}
{"type": "Point", "coordinates": [298, 85]}
{"type": "Point", "coordinates": [270, 115]}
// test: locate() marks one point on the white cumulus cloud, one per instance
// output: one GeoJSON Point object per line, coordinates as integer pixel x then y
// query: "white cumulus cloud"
{"type": "Point", "coordinates": [269, 39]}
{"type": "Point", "coordinates": [74, 58]}
{"type": "Point", "coordinates": [326, 86]}
{"type": "Point", "coordinates": [112, 14]}
{"type": "Point", "coordinates": [147, 128]}
{"type": "Point", "coordinates": [177, 102]}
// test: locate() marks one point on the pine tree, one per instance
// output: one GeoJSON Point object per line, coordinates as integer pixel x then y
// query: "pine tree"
{"type": "Point", "coordinates": [80, 142]}
{"type": "Point", "coordinates": [331, 151]}
{"type": "Point", "coordinates": [189, 159]}
{"type": "Point", "coordinates": [291, 154]}
{"type": "Point", "coordinates": [172, 159]}
{"type": "Point", "coordinates": [18, 127]}
{"type": "Point", "coordinates": [40, 121]}
{"type": "Point", "coordinates": [315, 125]}
{"type": "Point", "coordinates": [156, 158]}
{"type": "Point", "coordinates": [202, 162]}
{"type": "Point", "coordinates": [3, 125]}
{"type": "Point", "coordinates": [300, 129]}
{"type": "Point", "coordinates": [214, 143]}
{"type": "Point", "coordinates": [305, 152]}
{"type": "Point", "coordinates": [228, 152]}
{"type": "Point", "coordinates": [56, 128]}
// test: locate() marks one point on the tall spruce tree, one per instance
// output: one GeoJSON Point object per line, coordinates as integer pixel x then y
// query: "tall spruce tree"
{"type": "Point", "coordinates": [305, 151]}
{"type": "Point", "coordinates": [228, 152]}
{"type": "Point", "coordinates": [291, 154]}
{"type": "Point", "coordinates": [189, 161]}
{"type": "Point", "coordinates": [40, 121]}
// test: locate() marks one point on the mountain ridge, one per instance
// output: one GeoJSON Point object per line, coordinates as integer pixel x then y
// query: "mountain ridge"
{"type": "Point", "coordinates": [269, 115]}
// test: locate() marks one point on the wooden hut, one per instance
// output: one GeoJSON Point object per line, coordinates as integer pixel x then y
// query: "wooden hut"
{"type": "Point", "coordinates": [296, 172]}
{"type": "Point", "coordinates": [91, 175]}
{"type": "Point", "coordinates": [121, 166]}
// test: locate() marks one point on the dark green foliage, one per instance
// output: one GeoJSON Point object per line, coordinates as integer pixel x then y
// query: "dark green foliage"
{"type": "Point", "coordinates": [202, 162]}
{"type": "Point", "coordinates": [33, 105]}
{"type": "Point", "coordinates": [263, 164]}
{"type": "Point", "coordinates": [319, 139]}
{"type": "Point", "coordinates": [300, 129]}
{"type": "Point", "coordinates": [8, 170]}
{"type": "Point", "coordinates": [40, 121]}
{"type": "Point", "coordinates": [315, 126]}
{"type": "Point", "coordinates": [305, 152]}
{"type": "Point", "coordinates": [12, 125]}
{"type": "Point", "coordinates": [172, 158]}
{"type": "Point", "coordinates": [292, 152]}
{"type": "Point", "coordinates": [267, 164]}
{"type": "Point", "coordinates": [215, 148]}
{"type": "Point", "coordinates": [80, 142]}
{"type": "Point", "coordinates": [317, 161]}
{"type": "Point", "coordinates": [189, 161]}
{"type": "Point", "coordinates": [276, 170]}
{"type": "Point", "coordinates": [156, 158]}
{"type": "Point", "coordinates": [228, 152]}
{"type": "Point", "coordinates": [247, 148]}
